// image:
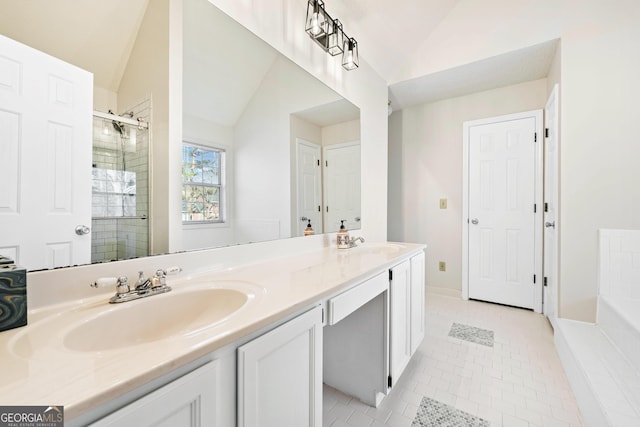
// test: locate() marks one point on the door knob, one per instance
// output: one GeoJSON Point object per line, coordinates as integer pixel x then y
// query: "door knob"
{"type": "Point", "coordinates": [82, 230]}
{"type": "Point", "coordinates": [550, 224]}
{"type": "Point", "coordinates": [474, 221]}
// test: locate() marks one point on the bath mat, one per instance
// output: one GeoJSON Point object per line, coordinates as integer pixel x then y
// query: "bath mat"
{"type": "Point", "coordinates": [472, 334]}
{"type": "Point", "coordinates": [432, 413]}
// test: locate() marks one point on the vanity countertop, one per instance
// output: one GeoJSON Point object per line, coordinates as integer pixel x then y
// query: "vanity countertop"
{"type": "Point", "coordinates": [43, 372]}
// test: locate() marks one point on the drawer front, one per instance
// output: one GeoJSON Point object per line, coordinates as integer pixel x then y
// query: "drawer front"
{"type": "Point", "coordinates": [347, 302]}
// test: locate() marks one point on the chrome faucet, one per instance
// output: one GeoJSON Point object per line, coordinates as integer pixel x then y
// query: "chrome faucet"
{"type": "Point", "coordinates": [353, 240]}
{"type": "Point", "coordinates": [144, 287]}
{"type": "Point", "coordinates": [142, 284]}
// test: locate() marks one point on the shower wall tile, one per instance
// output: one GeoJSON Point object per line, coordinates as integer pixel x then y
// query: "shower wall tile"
{"type": "Point", "coordinates": [120, 238]}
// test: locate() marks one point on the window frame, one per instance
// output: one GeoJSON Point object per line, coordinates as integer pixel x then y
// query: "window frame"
{"type": "Point", "coordinates": [221, 186]}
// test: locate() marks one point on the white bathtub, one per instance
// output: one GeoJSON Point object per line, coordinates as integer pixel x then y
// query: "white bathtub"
{"type": "Point", "coordinates": [619, 319]}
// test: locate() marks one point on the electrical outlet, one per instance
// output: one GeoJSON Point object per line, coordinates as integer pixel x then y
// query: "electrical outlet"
{"type": "Point", "coordinates": [443, 203]}
{"type": "Point", "coordinates": [442, 266]}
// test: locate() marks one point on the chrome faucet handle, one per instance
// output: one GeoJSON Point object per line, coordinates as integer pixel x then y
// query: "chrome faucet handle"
{"type": "Point", "coordinates": [159, 278]}
{"type": "Point", "coordinates": [352, 242]}
{"type": "Point", "coordinates": [123, 286]}
{"type": "Point", "coordinates": [142, 284]}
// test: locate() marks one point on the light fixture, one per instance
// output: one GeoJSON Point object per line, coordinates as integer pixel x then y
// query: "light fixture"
{"type": "Point", "coordinates": [335, 39]}
{"type": "Point", "coordinates": [330, 36]}
{"type": "Point", "coordinates": [316, 19]}
{"type": "Point", "coordinates": [350, 55]}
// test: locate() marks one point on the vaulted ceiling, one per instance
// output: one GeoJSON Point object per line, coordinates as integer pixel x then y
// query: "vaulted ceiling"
{"type": "Point", "coordinates": [389, 32]}
{"type": "Point", "coordinates": [95, 35]}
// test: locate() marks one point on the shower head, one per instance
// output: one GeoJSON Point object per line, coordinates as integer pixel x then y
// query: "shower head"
{"type": "Point", "coordinates": [119, 127]}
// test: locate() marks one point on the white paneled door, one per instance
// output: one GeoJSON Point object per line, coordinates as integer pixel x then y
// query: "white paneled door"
{"type": "Point", "coordinates": [342, 186]}
{"type": "Point", "coordinates": [45, 160]}
{"type": "Point", "coordinates": [309, 187]}
{"type": "Point", "coordinates": [502, 210]}
{"type": "Point", "coordinates": [551, 201]}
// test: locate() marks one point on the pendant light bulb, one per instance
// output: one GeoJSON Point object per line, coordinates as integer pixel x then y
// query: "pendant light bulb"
{"type": "Point", "coordinates": [315, 26]}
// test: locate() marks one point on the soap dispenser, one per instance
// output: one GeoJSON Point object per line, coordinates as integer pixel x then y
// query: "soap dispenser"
{"type": "Point", "coordinates": [309, 230]}
{"type": "Point", "coordinates": [343, 236]}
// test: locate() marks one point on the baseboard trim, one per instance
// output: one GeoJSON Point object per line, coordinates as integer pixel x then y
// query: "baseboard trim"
{"type": "Point", "coordinates": [456, 293]}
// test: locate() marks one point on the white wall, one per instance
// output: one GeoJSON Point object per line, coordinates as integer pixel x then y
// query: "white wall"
{"type": "Point", "coordinates": [341, 133]}
{"type": "Point", "coordinates": [475, 30]}
{"type": "Point", "coordinates": [147, 75]}
{"type": "Point", "coordinates": [263, 147]}
{"type": "Point", "coordinates": [104, 100]}
{"type": "Point", "coordinates": [600, 150]}
{"type": "Point", "coordinates": [425, 165]}
{"type": "Point", "coordinates": [598, 67]}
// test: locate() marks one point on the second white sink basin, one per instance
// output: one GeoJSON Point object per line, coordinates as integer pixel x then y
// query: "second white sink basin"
{"type": "Point", "coordinates": [378, 248]}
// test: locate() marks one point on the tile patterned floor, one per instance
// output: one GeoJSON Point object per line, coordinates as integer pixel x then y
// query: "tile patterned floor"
{"type": "Point", "coordinates": [472, 334]}
{"type": "Point", "coordinates": [432, 413]}
{"type": "Point", "coordinates": [517, 382]}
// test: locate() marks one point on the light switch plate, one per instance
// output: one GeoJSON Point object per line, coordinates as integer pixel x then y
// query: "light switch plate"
{"type": "Point", "coordinates": [443, 203]}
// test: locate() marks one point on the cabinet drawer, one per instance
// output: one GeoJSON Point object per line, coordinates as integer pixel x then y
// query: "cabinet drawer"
{"type": "Point", "coordinates": [347, 302]}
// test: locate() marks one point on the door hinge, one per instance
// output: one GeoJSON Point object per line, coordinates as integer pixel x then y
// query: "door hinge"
{"type": "Point", "coordinates": [535, 137]}
{"type": "Point", "coordinates": [327, 208]}
{"type": "Point", "coordinates": [389, 381]}
{"type": "Point", "coordinates": [544, 281]}
{"type": "Point", "coordinates": [390, 274]}
{"type": "Point", "coordinates": [546, 206]}
{"type": "Point", "coordinates": [546, 132]}
{"type": "Point", "coordinates": [326, 163]}
{"type": "Point", "coordinates": [318, 162]}
{"type": "Point", "coordinates": [534, 279]}
{"type": "Point", "coordinates": [535, 207]}
{"type": "Point", "coordinates": [319, 209]}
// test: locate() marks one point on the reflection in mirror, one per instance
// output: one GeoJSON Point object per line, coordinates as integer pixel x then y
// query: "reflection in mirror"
{"type": "Point", "coordinates": [292, 144]}
{"type": "Point", "coordinates": [239, 95]}
{"type": "Point", "coordinates": [119, 187]}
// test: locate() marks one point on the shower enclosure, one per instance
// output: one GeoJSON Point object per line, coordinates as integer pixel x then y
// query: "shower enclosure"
{"type": "Point", "coordinates": [120, 187]}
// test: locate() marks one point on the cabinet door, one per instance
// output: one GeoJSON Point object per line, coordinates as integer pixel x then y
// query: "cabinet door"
{"type": "Point", "coordinates": [417, 301]}
{"type": "Point", "coordinates": [399, 319]}
{"type": "Point", "coordinates": [189, 401]}
{"type": "Point", "coordinates": [280, 375]}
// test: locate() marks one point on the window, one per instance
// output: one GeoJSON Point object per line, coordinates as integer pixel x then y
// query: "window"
{"type": "Point", "coordinates": [202, 184]}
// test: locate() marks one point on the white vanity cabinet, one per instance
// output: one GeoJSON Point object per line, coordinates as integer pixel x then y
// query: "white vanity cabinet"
{"type": "Point", "coordinates": [399, 319]}
{"type": "Point", "coordinates": [189, 401]}
{"type": "Point", "coordinates": [373, 330]}
{"type": "Point", "coordinates": [418, 301]}
{"type": "Point", "coordinates": [407, 311]}
{"type": "Point", "coordinates": [280, 375]}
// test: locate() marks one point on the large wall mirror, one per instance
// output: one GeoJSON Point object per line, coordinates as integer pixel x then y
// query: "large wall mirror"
{"type": "Point", "coordinates": [280, 149]}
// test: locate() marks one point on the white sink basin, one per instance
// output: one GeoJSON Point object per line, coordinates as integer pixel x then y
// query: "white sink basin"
{"type": "Point", "coordinates": [154, 319]}
{"type": "Point", "coordinates": [102, 327]}
{"type": "Point", "coordinates": [378, 248]}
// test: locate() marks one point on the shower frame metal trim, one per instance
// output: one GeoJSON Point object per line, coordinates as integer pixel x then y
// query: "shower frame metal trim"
{"type": "Point", "coordinates": [121, 119]}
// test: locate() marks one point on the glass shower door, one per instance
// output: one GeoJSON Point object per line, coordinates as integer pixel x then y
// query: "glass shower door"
{"type": "Point", "coordinates": [120, 188]}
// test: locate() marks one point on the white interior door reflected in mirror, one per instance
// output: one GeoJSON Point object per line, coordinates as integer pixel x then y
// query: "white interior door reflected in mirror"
{"type": "Point", "coordinates": [342, 186]}
{"type": "Point", "coordinates": [309, 186]}
{"type": "Point", "coordinates": [45, 123]}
